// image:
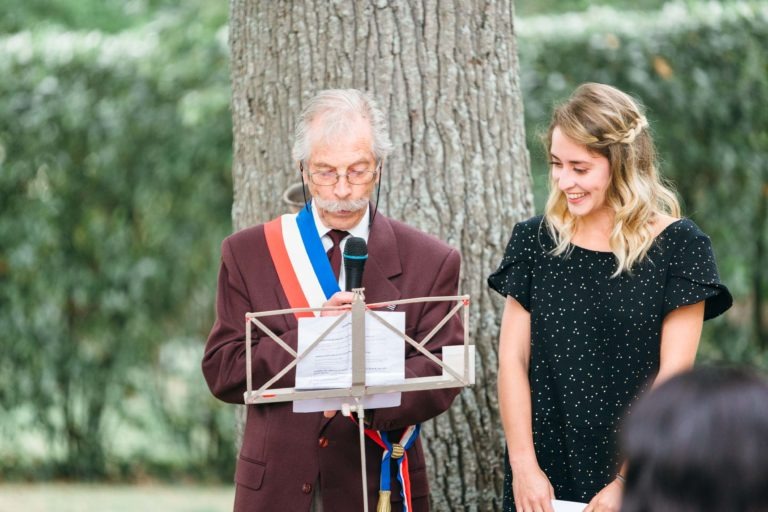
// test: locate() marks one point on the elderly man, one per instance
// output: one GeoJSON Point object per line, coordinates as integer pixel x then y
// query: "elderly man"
{"type": "Point", "coordinates": [310, 461]}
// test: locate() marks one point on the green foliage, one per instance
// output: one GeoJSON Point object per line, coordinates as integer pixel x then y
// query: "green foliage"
{"type": "Point", "coordinates": [115, 192]}
{"type": "Point", "coordinates": [110, 16]}
{"type": "Point", "coordinates": [702, 72]}
{"type": "Point", "coordinates": [525, 8]}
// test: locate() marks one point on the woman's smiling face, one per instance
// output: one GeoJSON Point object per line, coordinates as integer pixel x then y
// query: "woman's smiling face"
{"type": "Point", "coordinates": [583, 176]}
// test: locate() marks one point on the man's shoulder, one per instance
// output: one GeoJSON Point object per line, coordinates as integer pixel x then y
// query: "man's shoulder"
{"type": "Point", "coordinates": [245, 238]}
{"type": "Point", "coordinates": [412, 237]}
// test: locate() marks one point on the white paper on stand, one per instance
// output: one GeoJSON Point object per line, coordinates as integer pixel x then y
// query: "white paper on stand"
{"type": "Point", "coordinates": [568, 506]}
{"type": "Point", "coordinates": [453, 357]}
{"type": "Point", "coordinates": [329, 364]}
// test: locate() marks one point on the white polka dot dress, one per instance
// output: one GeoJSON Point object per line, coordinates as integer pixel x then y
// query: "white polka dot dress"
{"type": "Point", "coordinates": [595, 340]}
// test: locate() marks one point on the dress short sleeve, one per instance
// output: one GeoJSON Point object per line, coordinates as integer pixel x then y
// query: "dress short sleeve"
{"type": "Point", "coordinates": [693, 277]}
{"type": "Point", "coordinates": [513, 277]}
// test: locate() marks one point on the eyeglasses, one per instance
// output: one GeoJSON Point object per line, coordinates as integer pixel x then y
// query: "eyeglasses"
{"type": "Point", "coordinates": [354, 177]}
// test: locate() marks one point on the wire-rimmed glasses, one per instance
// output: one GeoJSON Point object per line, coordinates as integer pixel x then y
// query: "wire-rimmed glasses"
{"type": "Point", "coordinates": [354, 176]}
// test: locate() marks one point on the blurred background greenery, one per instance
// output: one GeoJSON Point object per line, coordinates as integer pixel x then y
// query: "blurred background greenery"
{"type": "Point", "coordinates": [115, 192]}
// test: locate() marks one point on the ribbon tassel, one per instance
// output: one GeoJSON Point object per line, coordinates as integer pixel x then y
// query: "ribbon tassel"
{"type": "Point", "coordinates": [384, 504]}
{"type": "Point", "coordinates": [397, 452]}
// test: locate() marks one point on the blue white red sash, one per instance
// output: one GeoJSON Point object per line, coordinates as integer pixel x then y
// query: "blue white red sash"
{"type": "Point", "coordinates": [399, 452]}
{"type": "Point", "coordinates": [300, 260]}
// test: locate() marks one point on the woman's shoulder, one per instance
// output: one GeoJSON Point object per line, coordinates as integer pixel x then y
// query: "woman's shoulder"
{"type": "Point", "coordinates": [678, 231]}
{"type": "Point", "coordinates": [529, 231]}
{"type": "Point", "coordinates": [684, 243]}
{"type": "Point", "coordinates": [531, 225]}
{"type": "Point", "coordinates": [525, 240]}
{"type": "Point", "coordinates": [662, 222]}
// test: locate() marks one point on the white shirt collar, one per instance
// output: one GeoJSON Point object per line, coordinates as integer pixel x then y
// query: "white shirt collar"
{"type": "Point", "coordinates": [361, 230]}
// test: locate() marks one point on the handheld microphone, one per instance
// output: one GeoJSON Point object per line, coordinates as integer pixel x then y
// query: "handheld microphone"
{"type": "Point", "coordinates": [355, 254]}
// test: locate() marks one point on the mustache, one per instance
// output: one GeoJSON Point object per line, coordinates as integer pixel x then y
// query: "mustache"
{"type": "Point", "coordinates": [350, 205]}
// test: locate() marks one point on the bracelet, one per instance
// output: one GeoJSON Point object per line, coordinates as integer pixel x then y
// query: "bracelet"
{"type": "Point", "coordinates": [621, 478]}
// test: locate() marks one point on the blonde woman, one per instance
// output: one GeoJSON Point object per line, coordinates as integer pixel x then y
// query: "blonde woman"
{"type": "Point", "coordinates": [606, 294]}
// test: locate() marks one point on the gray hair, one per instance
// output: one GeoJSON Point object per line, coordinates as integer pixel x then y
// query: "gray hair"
{"type": "Point", "coordinates": [338, 106]}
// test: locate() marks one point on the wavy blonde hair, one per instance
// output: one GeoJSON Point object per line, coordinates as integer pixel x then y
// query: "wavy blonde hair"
{"type": "Point", "coordinates": [610, 123]}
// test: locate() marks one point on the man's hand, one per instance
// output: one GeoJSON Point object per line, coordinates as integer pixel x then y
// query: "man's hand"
{"type": "Point", "coordinates": [337, 299]}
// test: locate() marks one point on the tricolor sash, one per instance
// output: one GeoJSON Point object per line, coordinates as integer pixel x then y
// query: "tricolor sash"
{"type": "Point", "coordinates": [396, 451]}
{"type": "Point", "coordinates": [300, 260]}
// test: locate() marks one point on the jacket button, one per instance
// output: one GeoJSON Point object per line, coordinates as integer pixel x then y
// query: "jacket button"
{"type": "Point", "coordinates": [322, 442]}
{"type": "Point", "coordinates": [306, 488]}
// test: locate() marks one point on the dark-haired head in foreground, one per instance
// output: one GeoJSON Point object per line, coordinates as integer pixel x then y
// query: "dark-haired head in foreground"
{"type": "Point", "coordinates": [699, 442]}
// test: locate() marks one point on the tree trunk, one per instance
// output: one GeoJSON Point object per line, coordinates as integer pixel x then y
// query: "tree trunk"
{"type": "Point", "coordinates": [446, 74]}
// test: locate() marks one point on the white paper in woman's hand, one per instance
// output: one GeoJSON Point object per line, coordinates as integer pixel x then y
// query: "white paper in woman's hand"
{"type": "Point", "coordinates": [568, 506]}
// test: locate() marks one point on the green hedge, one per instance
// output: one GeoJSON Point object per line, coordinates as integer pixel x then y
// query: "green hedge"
{"type": "Point", "coordinates": [702, 72]}
{"type": "Point", "coordinates": [115, 192]}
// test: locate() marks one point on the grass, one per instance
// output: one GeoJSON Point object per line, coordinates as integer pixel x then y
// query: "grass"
{"type": "Point", "coordinates": [114, 498]}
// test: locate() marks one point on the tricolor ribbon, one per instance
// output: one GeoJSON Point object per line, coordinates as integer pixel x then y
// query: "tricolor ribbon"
{"type": "Point", "coordinates": [399, 452]}
{"type": "Point", "coordinates": [300, 260]}
{"type": "Point", "coordinates": [316, 253]}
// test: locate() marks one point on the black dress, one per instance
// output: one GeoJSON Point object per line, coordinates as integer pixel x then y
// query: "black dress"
{"type": "Point", "coordinates": [595, 340]}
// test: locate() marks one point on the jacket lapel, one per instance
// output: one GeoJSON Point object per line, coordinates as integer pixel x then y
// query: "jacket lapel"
{"type": "Point", "coordinates": [383, 262]}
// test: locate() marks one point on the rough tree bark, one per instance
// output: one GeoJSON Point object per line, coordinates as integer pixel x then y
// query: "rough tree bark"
{"type": "Point", "coordinates": [446, 72]}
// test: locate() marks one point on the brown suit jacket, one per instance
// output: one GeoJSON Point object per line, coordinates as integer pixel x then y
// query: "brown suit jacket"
{"type": "Point", "coordinates": [285, 454]}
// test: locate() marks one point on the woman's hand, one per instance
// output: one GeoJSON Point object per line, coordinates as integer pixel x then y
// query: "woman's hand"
{"type": "Point", "coordinates": [608, 499]}
{"type": "Point", "coordinates": [532, 490]}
